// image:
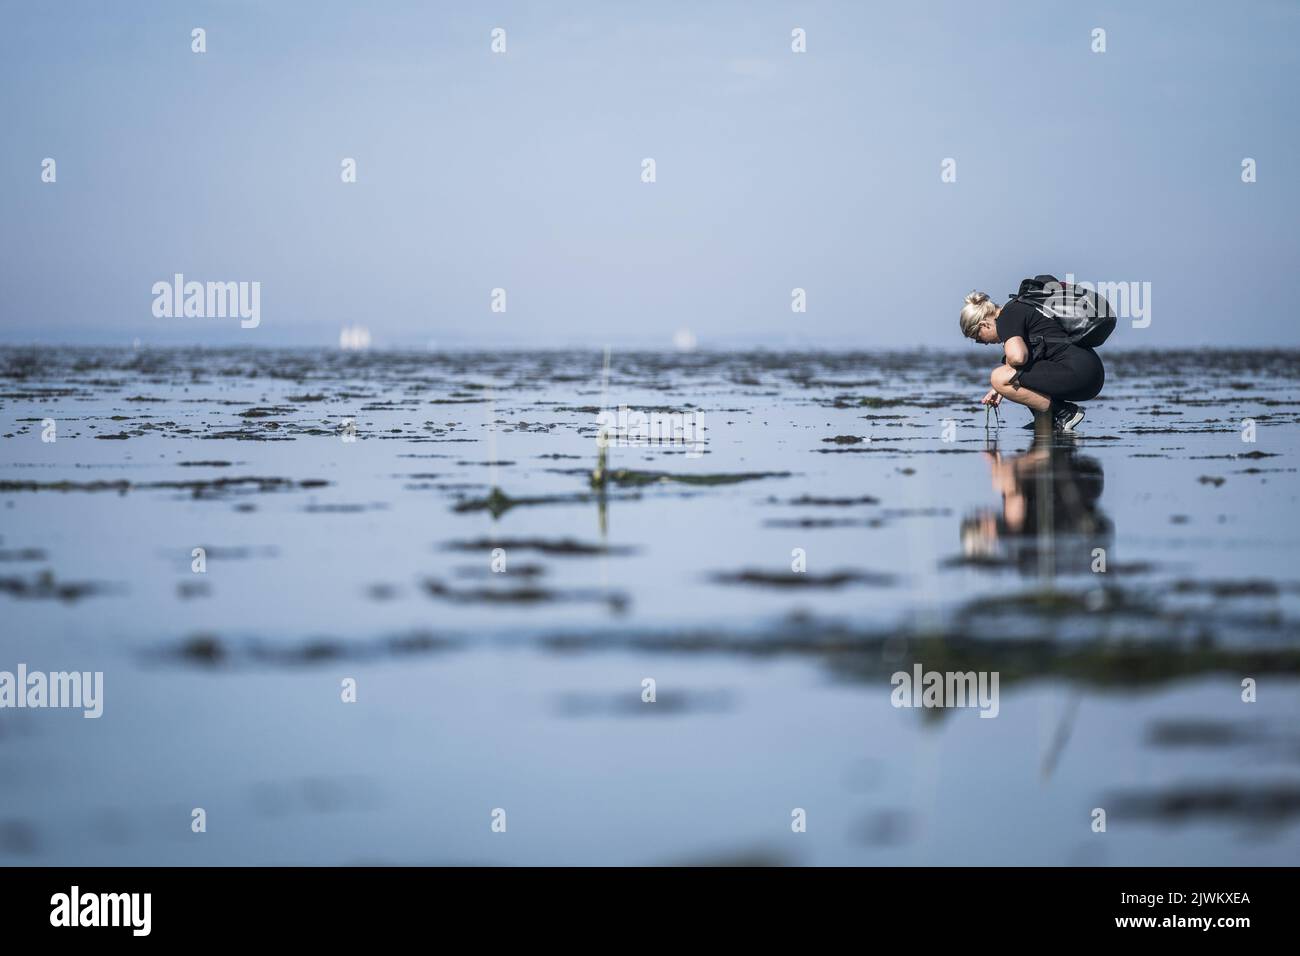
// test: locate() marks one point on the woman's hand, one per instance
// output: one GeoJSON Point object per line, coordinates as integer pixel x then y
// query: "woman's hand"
{"type": "Point", "coordinates": [992, 398]}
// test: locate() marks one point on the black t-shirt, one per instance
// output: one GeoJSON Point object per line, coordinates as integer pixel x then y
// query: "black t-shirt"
{"type": "Point", "coordinates": [1017, 318]}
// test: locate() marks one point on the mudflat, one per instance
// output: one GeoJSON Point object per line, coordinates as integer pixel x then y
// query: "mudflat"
{"type": "Point", "coordinates": [230, 536]}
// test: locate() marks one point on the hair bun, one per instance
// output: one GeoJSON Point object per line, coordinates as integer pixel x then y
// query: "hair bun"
{"type": "Point", "coordinates": [977, 298]}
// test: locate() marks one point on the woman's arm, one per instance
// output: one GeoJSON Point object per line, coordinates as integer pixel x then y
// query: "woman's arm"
{"type": "Point", "coordinates": [1016, 351]}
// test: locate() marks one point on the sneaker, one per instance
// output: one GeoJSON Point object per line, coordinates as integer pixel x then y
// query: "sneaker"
{"type": "Point", "coordinates": [1066, 416]}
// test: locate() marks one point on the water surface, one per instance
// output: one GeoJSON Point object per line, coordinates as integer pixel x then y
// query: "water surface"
{"type": "Point", "coordinates": [349, 506]}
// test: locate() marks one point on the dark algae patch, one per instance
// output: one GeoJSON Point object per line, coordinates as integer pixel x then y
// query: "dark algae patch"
{"type": "Point", "coordinates": [821, 501]}
{"type": "Point", "coordinates": [626, 477]}
{"type": "Point", "coordinates": [556, 547]}
{"type": "Point", "coordinates": [804, 579]}
{"type": "Point", "coordinates": [523, 594]}
{"type": "Point", "coordinates": [45, 587]}
{"type": "Point", "coordinates": [198, 488]}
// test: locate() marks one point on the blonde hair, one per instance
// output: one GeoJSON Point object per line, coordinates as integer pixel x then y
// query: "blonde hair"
{"type": "Point", "coordinates": [978, 307]}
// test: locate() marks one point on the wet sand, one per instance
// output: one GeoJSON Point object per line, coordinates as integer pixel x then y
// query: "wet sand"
{"type": "Point", "coordinates": [351, 507]}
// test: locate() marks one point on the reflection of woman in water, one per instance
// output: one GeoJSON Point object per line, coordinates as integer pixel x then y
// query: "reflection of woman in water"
{"type": "Point", "coordinates": [1041, 368]}
{"type": "Point", "coordinates": [1048, 494]}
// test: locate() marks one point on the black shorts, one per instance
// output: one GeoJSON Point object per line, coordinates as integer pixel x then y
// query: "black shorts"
{"type": "Point", "coordinates": [1072, 374]}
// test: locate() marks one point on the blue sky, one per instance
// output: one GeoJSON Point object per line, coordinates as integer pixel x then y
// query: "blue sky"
{"type": "Point", "coordinates": [775, 170]}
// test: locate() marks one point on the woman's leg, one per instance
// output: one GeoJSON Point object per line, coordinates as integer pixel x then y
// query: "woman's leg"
{"type": "Point", "coordinates": [1001, 381]}
{"type": "Point", "coordinates": [1073, 375]}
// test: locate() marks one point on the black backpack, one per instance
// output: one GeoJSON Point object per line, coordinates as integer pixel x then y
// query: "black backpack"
{"type": "Point", "coordinates": [1084, 316]}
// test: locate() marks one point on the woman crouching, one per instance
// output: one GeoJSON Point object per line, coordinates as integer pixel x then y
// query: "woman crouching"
{"type": "Point", "coordinates": [1041, 369]}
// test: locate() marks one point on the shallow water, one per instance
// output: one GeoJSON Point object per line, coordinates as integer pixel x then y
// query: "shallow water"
{"type": "Point", "coordinates": [927, 538]}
